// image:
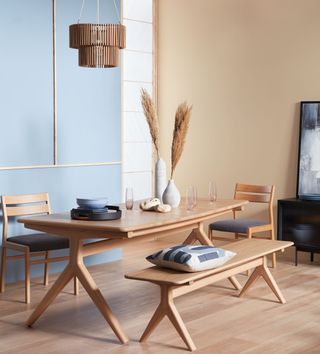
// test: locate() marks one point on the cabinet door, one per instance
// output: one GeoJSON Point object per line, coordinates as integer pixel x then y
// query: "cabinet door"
{"type": "Point", "coordinates": [300, 222]}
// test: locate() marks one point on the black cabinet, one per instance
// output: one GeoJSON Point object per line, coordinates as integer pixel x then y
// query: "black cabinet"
{"type": "Point", "coordinates": [299, 221]}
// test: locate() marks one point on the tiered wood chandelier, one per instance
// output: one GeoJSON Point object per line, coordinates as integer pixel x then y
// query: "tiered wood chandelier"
{"type": "Point", "coordinates": [98, 44]}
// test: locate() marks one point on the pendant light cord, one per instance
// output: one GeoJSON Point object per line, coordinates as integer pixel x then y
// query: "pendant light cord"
{"type": "Point", "coordinates": [117, 11]}
{"type": "Point", "coordinates": [81, 10]}
{"type": "Point", "coordinates": [98, 11]}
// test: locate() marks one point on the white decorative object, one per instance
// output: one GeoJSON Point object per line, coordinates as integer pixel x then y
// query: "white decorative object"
{"type": "Point", "coordinates": [163, 208]}
{"type": "Point", "coordinates": [154, 204]}
{"type": "Point", "coordinates": [160, 178]}
{"type": "Point", "coordinates": [171, 195]}
{"type": "Point", "coordinates": [149, 204]}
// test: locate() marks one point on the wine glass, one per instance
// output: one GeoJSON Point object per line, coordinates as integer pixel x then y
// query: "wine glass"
{"type": "Point", "coordinates": [191, 197]}
{"type": "Point", "coordinates": [129, 198]}
{"type": "Point", "coordinates": [212, 191]}
{"type": "Point", "coordinates": [195, 196]}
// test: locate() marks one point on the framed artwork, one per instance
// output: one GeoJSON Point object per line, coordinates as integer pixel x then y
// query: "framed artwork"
{"type": "Point", "coordinates": [308, 181]}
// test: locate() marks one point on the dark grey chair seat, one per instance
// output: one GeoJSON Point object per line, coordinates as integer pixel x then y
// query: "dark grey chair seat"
{"type": "Point", "coordinates": [238, 226]}
{"type": "Point", "coordinates": [40, 242]}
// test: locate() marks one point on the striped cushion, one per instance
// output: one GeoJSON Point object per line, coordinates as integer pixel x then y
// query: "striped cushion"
{"type": "Point", "coordinates": [191, 258]}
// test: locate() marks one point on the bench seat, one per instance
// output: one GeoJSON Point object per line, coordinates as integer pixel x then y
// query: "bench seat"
{"type": "Point", "coordinates": [250, 253]}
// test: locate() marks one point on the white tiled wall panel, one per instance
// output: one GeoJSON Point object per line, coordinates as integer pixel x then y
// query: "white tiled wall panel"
{"type": "Point", "coordinates": [137, 157]}
{"type": "Point", "coordinates": [131, 95]}
{"type": "Point", "coordinates": [139, 36]}
{"type": "Point", "coordinates": [137, 73]}
{"type": "Point", "coordinates": [140, 10]}
{"type": "Point", "coordinates": [135, 127]}
{"type": "Point", "coordinates": [137, 66]}
{"type": "Point", "coordinates": [140, 182]}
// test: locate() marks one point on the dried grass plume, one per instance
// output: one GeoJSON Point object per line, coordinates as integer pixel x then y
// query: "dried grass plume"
{"type": "Point", "coordinates": [152, 118]}
{"type": "Point", "coordinates": [181, 125]}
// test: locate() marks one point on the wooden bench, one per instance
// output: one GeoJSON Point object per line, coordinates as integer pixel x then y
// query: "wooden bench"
{"type": "Point", "coordinates": [251, 253]}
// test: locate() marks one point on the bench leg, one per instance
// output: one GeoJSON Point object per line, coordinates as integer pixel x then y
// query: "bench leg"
{"type": "Point", "coordinates": [168, 308]}
{"type": "Point", "coordinates": [264, 272]}
{"type": "Point", "coordinates": [267, 276]}
{"type": "Point", "coordinates": [155, 320]}
{"type": "Point", "coordinates": [233, 280]}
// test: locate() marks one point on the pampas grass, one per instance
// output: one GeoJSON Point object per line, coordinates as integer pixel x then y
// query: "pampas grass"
{"type": "Point", "coordinates": [152, 118]}
{"type": "Point", "coordinates": [181, 125]}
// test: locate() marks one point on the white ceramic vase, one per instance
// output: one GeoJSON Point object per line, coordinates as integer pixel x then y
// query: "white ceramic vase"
{"type": "Point", "coordinates": [160, 178]}
{"type": "Point", "coordinates": [171, 195]}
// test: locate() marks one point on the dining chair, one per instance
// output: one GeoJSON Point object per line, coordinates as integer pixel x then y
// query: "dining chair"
{"type": "Point", "coordinates": [30, 245]}
{"type": "Point", "coordinates": [249, 227]}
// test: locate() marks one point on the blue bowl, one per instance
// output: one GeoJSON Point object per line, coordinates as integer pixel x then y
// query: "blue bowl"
{"type": "Point", "coordinates": [95, 203]}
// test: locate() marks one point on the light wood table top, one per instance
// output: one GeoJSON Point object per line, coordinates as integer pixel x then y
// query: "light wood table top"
{"type": "Point", "coordinates": [133, 222]}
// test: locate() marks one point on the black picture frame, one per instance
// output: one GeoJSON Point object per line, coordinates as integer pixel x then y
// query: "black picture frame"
{"type": "Point", "coordinates": [308, 177]}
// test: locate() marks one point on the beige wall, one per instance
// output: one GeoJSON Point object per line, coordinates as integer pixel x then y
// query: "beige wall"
{"type": "Point", "coordinates": [244, 65]}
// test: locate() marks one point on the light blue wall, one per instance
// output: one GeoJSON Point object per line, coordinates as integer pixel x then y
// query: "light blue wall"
{"type": "Point", "coordinates": [88, 102]}
{"type": "Point", "coordinates": [26, 82]}
{"type": "Point", "coordinates": [89, 98]}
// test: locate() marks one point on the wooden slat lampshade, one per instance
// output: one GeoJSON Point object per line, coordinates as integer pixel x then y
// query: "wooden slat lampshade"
{"type": "Point", "coordinates": [98, 56]}
{"type": "Point", "coordinates": [98, 44]}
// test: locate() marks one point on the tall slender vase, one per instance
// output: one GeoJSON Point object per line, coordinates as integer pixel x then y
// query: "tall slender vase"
{"type": "Point", "coordinates": [160, 180]}
{"type": "Point", "coordinates": [171, 195]}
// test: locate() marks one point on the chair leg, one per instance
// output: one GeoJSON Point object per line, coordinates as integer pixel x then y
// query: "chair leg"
{"type": "Point", "coordinates": [46, 270]}
{"type": "Point", "coordinates": [3, 268]}
{"type": "Point", "coordinates": [274, 257]}
{"type": "Point", "coordinates": [248, 272]}
{"type": "Point", "coordinates": [75, 286]}
{"type": "Point", "coordinates": [209, 233]}
{"type": "Point", "coordinates": [27, 276]}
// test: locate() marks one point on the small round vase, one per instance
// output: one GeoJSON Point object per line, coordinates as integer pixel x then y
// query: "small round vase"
{"type": "Point", "coordinates": [160, 178]}
{"type": "Point", "coordinates": [171, 195]}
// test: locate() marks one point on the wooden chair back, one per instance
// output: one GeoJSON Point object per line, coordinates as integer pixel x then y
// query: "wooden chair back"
{"type": "Point", "coordinates": [256, 194]}
{"type": "Point", "coordinates": [21, 205]}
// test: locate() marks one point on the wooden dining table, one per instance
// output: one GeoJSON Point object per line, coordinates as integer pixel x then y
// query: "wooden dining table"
{"type": "Point", "coordinates": [134, 225]}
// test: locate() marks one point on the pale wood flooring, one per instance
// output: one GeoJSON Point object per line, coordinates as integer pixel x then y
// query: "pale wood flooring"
{"type": "Point", "coordinates": [217, 320]}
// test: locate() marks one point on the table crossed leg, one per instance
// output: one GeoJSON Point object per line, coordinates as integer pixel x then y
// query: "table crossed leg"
{"type": "Point", "coordinates": [199, 234]}
{"type": "Point", "coordinates": [78, 269]}
{"type": "Point", "coordinates": [53, 292]}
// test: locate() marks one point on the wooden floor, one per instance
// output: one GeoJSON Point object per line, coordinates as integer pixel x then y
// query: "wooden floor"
{"type": "Point", "coordinates": [218, 321]}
